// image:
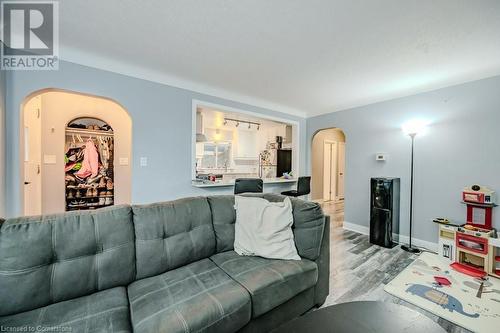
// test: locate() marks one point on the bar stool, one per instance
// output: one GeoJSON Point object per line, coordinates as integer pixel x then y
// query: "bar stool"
{"type": "Point", "coordinates": [303, 187]}
{"type": "Point", "coordinates": [248, 185]}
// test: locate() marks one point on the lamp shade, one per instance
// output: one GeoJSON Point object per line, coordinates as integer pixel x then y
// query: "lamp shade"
{"type": "Point", "coordinates": [414, 127]}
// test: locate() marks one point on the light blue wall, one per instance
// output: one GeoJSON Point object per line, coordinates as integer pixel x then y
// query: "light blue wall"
{"type": "Point", "coordinates": [462, 147]}
{"type": "Point", "coordinates": [2, 142]}
{"type": "Point", "coordinates": [161, 117]}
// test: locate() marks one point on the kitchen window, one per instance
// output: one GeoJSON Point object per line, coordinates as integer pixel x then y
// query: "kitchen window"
{"type": "Point", "coordinates": [214, 155]}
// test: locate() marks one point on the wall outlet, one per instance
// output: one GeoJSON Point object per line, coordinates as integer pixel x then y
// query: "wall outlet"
{"type": "Point", "coordinates": [49, 159]}
{"type": "Point", "coordinates": [123, 161]}
{"type": "Point", "coordinates": [144, 161]}
{"type": "Point", "coordinates": [380, 156]}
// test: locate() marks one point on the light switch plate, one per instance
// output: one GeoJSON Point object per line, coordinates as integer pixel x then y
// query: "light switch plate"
{"type": "Point", "coordinates": [380, 156]}
{"type": "Point", "coordinates": [49, 159]}
{"type": "Point", "coordinates": [123, 161]}
{"type": "Point", "coordinates": [144, 161]}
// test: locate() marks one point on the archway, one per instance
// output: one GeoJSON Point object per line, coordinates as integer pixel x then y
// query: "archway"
{"type": "Point", "coordinates": [328, 171]}
{"type": "Point", "coordinates": [43, 145]}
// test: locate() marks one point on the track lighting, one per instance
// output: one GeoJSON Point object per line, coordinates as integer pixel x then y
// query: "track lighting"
{"type": "Point", "coordinates": [237, 123]}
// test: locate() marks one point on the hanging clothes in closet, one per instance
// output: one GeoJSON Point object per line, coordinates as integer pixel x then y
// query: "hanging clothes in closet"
{"type": "Point", "coordinates": [89, 166]}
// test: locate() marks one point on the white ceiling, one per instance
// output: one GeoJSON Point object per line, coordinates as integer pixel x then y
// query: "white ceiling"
{"type": "Point", "coordinates": [304, 57]}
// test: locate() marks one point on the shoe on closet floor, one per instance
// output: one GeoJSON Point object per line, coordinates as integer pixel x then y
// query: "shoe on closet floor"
{"type": "Point", "coordinates": [93, 179]}
{"type": "Point", "coordinates": [73, 203]}
{"type": "Point", "coordinates": [81, 180]}
{"type": "Point", "coordinates": [102, 182]}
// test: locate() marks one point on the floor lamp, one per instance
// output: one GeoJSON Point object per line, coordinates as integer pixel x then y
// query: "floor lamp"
{"type": "Point", "coordinates": [412, 129]}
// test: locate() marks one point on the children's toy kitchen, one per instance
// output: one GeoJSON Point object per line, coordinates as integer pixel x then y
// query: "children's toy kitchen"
{"type": "Point", "coordinates": [472, 248]}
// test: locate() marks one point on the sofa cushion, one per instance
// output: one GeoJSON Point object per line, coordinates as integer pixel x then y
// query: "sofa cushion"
{"type": "Point", "coordinates": [264, 228]}
{"type": "Point", "coordinates": [270, 282]}
{"type": "Point", "coordinates": [52, 258]}
{"type": "Point", "coordinates": [172, 234]}
{"type": "Point", "coordinates": [223, 217]}
{"type": "Point", "coordinates": [104, 311]}
{"type": "Point", "coordinates": [196, 297]}
{"type": "Point", "coordinates": [308, 223]}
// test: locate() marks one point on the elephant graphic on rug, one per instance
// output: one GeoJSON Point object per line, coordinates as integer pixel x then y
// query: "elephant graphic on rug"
{"type": "Point", "coordinates": [438, 297]}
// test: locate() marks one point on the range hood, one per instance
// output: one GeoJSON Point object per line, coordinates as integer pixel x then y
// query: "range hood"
{"type": "Point", "coordinates": [200, 137]}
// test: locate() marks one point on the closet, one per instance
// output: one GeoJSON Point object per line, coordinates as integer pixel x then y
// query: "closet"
{"type": "Point", "coordinates": [89, 169]}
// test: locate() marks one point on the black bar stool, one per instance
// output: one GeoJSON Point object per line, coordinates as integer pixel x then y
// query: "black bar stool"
{"type": "Point", "coordinates": [248, 185]}
{"type": "Point", "coordinates": [303, 187]}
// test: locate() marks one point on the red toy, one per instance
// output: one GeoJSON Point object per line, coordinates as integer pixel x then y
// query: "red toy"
{"type": "Point", "coordinates": [479, 200]}
{"type": "Point", "coordinates": [471, 271]}
{"type": "Point", "coordinates": [472, 239]}
{"type": "Point", "coordinates": [442, 281]}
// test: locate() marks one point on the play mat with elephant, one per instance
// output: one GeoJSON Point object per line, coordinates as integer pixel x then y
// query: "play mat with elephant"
{"type": "Point", "coordinates": [431, 284]}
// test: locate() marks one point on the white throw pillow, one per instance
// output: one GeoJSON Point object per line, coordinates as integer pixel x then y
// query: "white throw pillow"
{"type": "Point", "coordinates": [264, 228]}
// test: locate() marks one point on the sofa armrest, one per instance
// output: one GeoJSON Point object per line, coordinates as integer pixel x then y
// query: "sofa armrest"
{"type": "Point", "coordinates": [322, 288]}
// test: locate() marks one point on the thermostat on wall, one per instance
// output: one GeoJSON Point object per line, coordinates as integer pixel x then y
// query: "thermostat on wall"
{"type": "Point", "coordinates": [380, 156]}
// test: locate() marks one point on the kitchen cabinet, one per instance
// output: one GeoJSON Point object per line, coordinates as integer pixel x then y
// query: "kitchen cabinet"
{"type": "Point", "coordinates": [273, 132]}
{"type": "Point", "coordinates": [200, 149]}
{"type": "Point", "coordinates": [246, 145]}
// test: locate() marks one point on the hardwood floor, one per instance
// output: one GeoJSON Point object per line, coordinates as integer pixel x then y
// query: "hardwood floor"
{"type": "Point", "coordinates": [360, 270]}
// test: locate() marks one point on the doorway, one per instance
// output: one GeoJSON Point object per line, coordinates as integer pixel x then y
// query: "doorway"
{"type": "Point", "coordinates": [32, 183]}
{"type": "Point", "coordinates": [56, 127]}
{"type": "Point", "coordinates": [328, 171]}
{"type": "Point", "coordinates": [330, 152]}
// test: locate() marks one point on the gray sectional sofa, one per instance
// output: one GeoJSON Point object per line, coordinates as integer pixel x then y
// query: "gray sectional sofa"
{"type": "Point", "coordinates": [165, 267]}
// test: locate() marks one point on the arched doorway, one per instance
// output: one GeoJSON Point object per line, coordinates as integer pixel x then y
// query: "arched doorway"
{"type": "Point", "coordinates": [328, 171]}
{"type": "Point", "coordinates": [45, 119]}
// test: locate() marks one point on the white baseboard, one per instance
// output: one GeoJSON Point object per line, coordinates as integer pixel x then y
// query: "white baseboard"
{"type": "Point", "coordinates": [402, 239]}
{"type": "Point", "coordinates": [356, 228]}
{"type": "Point", "coordinates": [321, 201]}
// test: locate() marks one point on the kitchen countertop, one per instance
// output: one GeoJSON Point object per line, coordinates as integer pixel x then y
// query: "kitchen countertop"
{"type": "Point", "coordinates": [231, 182]}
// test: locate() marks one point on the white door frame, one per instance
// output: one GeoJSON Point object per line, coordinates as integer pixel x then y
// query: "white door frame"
{"type": "Point", "coordinates": [339, 175]}
{"type": "Point", "coordinates": [32, 164]}
{"type": "Point", "coordinates": [330, 152]}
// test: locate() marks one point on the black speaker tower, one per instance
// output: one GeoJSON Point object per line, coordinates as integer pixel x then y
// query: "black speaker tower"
{"type": "Point", "coordinates": [384, 211]}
